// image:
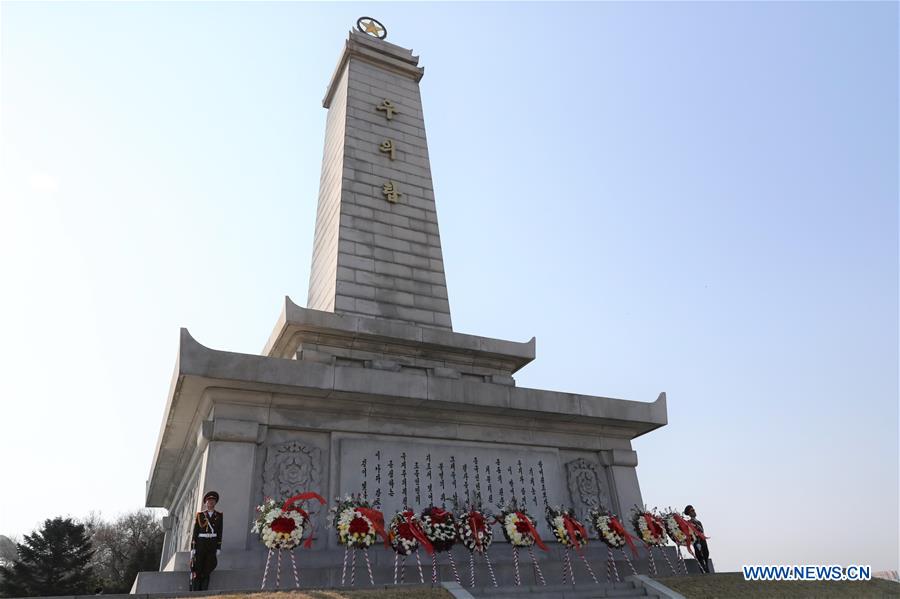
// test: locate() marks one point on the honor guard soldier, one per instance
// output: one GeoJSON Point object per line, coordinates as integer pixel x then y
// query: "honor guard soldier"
{"type": "Point", "coordinates": [701, 548]}
{"type": "Point", "coordinates": [206, 542]}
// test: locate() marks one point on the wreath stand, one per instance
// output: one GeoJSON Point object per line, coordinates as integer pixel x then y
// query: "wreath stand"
{"type": "Point", "coordinates": [278, 568]}
{"type": "Point", "coordinates": [681, 558]}
{"type": "Point", "coordinates": [628, 559]}
{"type": "Point", "coordinates": [538, 575]}
{"type": "Point", "coordinates": [401, 560]}
{"type": "Point", "coordinates": [567, 565]}
{"type": "Point", "coordinates": [651, 561]}
{"type": "Point", "coordinates": [487, 560]}
{"type": "Point", "coordinates": [666, 557]}
{"type": "Point", "coordinates": [611, 565]}
{"type": "Point", "coordinates": [365, 553]}
{"type": "Point", "coordinates": [434, 566]}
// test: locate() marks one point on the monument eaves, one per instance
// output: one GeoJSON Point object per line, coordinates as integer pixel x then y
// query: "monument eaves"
{"type": "Point", "coordinates": [200, 369]}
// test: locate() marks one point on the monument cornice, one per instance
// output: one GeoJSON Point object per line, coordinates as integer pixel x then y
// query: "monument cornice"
{"type": "Point", "coordinates": [376, 392]}
{"type": "Point", "coordinates": [377, 52]}
{"type": "Point", "coordinates": [297, 324]}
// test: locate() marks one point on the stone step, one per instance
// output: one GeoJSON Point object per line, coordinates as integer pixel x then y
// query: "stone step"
{"type": "Point", "coordinates": [321, 568]}
{"type": "Point", "coordinates": [578, 591]}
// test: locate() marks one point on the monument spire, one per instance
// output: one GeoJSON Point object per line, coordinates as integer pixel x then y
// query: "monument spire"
{"type": "Point", "coordinates": [377, 248]}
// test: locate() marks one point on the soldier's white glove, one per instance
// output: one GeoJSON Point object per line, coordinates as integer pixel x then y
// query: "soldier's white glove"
{"type": "Point", "coordinates": [218, 551]}
{"type": "Point", "coordinates": [193, 551]}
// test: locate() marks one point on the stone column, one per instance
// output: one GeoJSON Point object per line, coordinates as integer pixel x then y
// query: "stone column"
{"type": "Point", "coordinates": [377, 248]}
{"type": "Point", "coordinates": [622, 464]}
{"type": "Point", "coordinates": [168, 543]}
{"type": "Point", "coordinates": [228, 466]}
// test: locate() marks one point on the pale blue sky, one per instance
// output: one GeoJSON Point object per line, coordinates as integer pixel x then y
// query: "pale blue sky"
{"type": "Point", "coordinates": [697, 198]}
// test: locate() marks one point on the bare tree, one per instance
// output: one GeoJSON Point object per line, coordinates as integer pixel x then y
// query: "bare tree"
{"type": "Point", "coordinates": [130, 544]}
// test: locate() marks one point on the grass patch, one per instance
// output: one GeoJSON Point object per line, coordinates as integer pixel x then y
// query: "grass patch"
{"type": "Point", "coordinates": [385, 593]}
{"type": "Point", "coordinates": [732, 584]}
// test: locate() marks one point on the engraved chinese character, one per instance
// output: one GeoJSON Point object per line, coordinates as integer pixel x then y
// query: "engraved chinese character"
{"type": "Point", "coordinates": [388, 146]}
{"type": "Point", "coordinates": [388, 108]}
{"type": "Point", "coordinates": [390, 192]}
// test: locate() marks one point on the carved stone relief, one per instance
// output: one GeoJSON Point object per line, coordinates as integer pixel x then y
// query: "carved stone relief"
{"type": "Point", "coordinates": [586, 486]}
{"type": "Point", "coordinates": [292, 468]}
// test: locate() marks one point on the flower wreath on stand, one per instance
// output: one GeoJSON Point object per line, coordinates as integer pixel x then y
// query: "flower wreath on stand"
{"type": "Point", "coordinates": [281, 526]}
{"type": "Point", "coordinates": [571, 534]}
{"type": "Point", "coordinates": [613, 534]}
{"type": "Point", "coordinates": [566, 527]}
{"type": "Point", "coordinates": [474, 530]}
{"type": "Point", "coordinates": [473, 527]}
{"type": "Point", "coordinates": [518, 528]}
{"type": "Point", "coordinates": [358, 525]}
{"type": "Point", "coordinates": [440, 528]}
{"type": "Point", "coordinates": [651, 530]}
{"type": "Point", "coordinates": [407, 535]}
{"type": "Point", "coordinates": [682, 532]}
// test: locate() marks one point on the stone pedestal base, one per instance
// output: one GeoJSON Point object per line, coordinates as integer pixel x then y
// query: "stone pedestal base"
{"type": "Point", "coordinates": [321, 568]}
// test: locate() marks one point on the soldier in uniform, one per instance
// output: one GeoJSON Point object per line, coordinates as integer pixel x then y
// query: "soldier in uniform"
{"type": "Point", "coordinates": [206, 542]}
{"type": "Point", "coordinates": [701, 549]}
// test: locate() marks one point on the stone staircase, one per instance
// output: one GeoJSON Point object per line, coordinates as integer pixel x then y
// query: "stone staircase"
{"type": "Point", "coordinates": [558, 591]}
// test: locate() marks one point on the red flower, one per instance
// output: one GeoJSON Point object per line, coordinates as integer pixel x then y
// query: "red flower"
{"type": "Point", "coordinates": [478, 520]}
{"type": "Point", "coordinates": [285, 525]}
{"type": "Point", "coordinates": [359, 526]}
{"type": "Point", "coordinates": [404, 532]}
{"type": "Point", "coordinates": [438, 516]}
{"type": "Point", "coordinates": [522, 527]}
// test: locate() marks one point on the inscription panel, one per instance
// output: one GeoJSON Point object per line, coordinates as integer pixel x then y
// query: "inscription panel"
{"type": "Point", "coordinates": [384, 469]}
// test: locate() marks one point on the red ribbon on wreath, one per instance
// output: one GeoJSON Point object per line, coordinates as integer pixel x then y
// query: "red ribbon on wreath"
{"type": "Point", "coordinates": [531, 530]}
{"type": "Point", "coordinates": [377, 519]}
{"type": "Point", "coordinates": [439, 515]}
{"type": "Point", "coordinates": [619, 529]}
{"type": "Point", "coordinates": [573, 526]}
{"type": "Point", "coordinates": [289, 506]}
{"type": "Point", "coordinates": [697, 533]}
{"type": "Point", "coordinates": [301, 497]}
{"type": "Point", "coordinates": [689, 530]}
{"type": "Point", "coordinates": [416, 531]}
{"type": "Point", "coordinates": [476, 521]}
{"type": "Point", "coordinates": [653, 525]}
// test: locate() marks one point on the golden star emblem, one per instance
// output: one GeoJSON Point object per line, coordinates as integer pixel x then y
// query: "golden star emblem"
{"type": "Point", "coordinates": [372, 28]}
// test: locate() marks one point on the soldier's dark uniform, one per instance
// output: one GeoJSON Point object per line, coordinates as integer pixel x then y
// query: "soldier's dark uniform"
{"type": "Point", "coordinates": [206, 540]}
{"type": "Point", "coordinates": [701, 548]}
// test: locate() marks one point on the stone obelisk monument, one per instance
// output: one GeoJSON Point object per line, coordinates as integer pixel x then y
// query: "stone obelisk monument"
{"type": "Point", "coordinates": [370, 377]}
